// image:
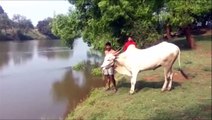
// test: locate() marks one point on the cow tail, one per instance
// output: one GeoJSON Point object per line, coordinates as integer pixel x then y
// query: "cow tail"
{"type": "Point", "coordinates": [179, 60]}
{"type": "Point", "coordinates": [180, 69]}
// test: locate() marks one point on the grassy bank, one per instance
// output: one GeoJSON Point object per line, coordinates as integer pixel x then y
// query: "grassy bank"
{"type": "Point", "coordinates": [189, 99]}
{"type": "Point", "coordinates": [16, 34]}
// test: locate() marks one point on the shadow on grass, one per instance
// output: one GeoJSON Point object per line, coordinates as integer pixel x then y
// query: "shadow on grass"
{"type": "Point", "coordinates": [145, 84]}
{"type": "Point", "coordinates": [192, 112]}
{"type": "Point", "coordinates": [203, 38]}
{"type": "Point", "coordinates": [198, 32]}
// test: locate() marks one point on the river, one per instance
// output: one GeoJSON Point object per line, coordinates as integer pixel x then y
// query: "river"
{"type": "Point", "coordinates": [37, 80]}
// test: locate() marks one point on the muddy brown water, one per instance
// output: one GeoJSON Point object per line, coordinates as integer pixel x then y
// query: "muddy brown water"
{"type": "Point", "coordinates": [37, 80]}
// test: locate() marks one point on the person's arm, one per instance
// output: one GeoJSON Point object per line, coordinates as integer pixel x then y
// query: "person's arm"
{"type": "Point", "coordinates": [117, 52]}
{"type": "Point", "coordinates": [105, 52]}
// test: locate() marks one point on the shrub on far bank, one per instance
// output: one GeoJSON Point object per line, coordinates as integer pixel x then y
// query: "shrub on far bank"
{"type": "Point", "coordinates": [79, 66]}
{"type": "Point", "coordinates": [95, 69]}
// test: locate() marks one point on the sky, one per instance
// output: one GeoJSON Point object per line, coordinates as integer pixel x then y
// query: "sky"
{"type": "Point", "coordinates": [35, 10]}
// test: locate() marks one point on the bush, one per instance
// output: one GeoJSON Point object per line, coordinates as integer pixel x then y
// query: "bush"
{"type": "Point", "coordinates": [79, 66]}
{"type": "Point", "coordinates": [96, 71]}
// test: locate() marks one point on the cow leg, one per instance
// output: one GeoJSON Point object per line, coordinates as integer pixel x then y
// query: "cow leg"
{"type": "Point", "coordinates": [133, 82]}
{"type": "Point", "coordinates": [171, 79]}
{"type": "Point", "coordinates": [165, 79]}
{"type": "Point", "coordinates": [170, 75]}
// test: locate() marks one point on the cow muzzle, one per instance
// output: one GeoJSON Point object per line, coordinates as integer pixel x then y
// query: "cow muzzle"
{"type": "Point", "coordinates": [103, 67]}
{"type": "Point", "coordinates": [106, 65]}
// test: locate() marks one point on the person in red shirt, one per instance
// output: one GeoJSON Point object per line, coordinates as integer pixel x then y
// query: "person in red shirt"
{"type": "Point", "coordinates": [130, 41]}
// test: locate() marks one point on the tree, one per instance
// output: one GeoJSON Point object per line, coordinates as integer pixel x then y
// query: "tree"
{"type": "Point", "coordinates": [1, 10]}
{"type": "Point", "coordinates": [164, 20]}
{"type": "Point", "coordinates": [102, 20]}
{"type": "Point", "coordinates": [5, 22]}
{"type": "Point", "coordinates": [22, 22]}
{"type": "Point", "coordinates": [66, 27]}
{"type": "Point", "coordinates": [44, 26]}
{"type": "Point", "coordinates": [182, 13]}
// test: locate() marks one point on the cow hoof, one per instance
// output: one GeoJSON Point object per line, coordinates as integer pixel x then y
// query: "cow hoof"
{"type": "Point", "coordinates": [131, 92]}
{"type": "Point", "coordinates": [169, 89]}
{"type": "Point", "coordinates": [163, 90]}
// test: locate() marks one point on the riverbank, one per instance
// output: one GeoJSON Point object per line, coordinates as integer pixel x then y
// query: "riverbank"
{"type": "Point", "coordinates": [21, 35]}
{"type": "Point", "coordinates": [190, 99]}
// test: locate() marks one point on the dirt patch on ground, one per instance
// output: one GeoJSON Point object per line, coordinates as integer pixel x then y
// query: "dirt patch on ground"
{"type": "Point", "coordinates": [202, 52]}
{"type": "Point", "coordinates": [152, 78]}
{"type": "Point", "coordinates": [200, 49]}
{"type": "Point", "coordinates": [178, 77]}
{"type": "Point", "coordinates": [208, 108]}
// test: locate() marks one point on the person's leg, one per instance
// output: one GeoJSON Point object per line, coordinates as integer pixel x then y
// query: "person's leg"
{"type": "Point", "coordinates": [106, 79]}
{"type": "Point", "coordinates": [112, 79]}
{"type": "Point", "coordinates": [107, 82]}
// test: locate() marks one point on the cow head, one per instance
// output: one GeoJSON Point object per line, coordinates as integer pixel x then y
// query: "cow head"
{"type": "Point", "coordinates": [108, 61]}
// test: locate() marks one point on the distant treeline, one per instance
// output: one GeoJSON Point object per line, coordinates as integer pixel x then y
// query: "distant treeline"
{"type": "Point", "coordinates": [21, 28]}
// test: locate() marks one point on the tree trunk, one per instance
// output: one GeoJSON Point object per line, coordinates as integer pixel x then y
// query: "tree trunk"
{"type": "Point", "coordinates": [168, 32]}
{"type": "Point", "coordinates": [189, 38]}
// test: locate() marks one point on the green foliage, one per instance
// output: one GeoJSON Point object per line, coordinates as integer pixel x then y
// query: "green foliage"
{"type": "Point", "coordinates": [79, 66]}
{"type": "Point", "coordinates": [144, 34]}
{"type": "Point", "coordinates": [184, 12]}
{"type": "Point", "coordinates": [66, 27]}
{"type": "Point", "coordinates": [99, 21]}
{"type": "Point", "coordinates": [44, 27]}
{"type": "Point", "coordinates": [102, 20]}
{"type": "Point", "coordinates": [96, 71]}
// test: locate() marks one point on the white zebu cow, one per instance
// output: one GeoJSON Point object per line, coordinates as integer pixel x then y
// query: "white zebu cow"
{"type": "Point", "coordinates": [134, 60]}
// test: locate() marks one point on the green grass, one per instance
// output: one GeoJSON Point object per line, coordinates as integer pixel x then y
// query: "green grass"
{"type": "Point", "coordinates": [96, 71]}
{"type": "Point", "coordinates": [189, 99]}
{"type": "Point", "coordinates": [79, 66]}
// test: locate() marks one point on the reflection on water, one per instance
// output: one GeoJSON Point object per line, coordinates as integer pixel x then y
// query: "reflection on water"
{"type": "Point", "coordinates": [36, 79]}
{"type": "Point", "coordinates": [73, 84]}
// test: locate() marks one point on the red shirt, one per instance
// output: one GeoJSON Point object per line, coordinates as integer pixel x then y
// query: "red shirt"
{"type": "Point", "coordinates": [126, 45]}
